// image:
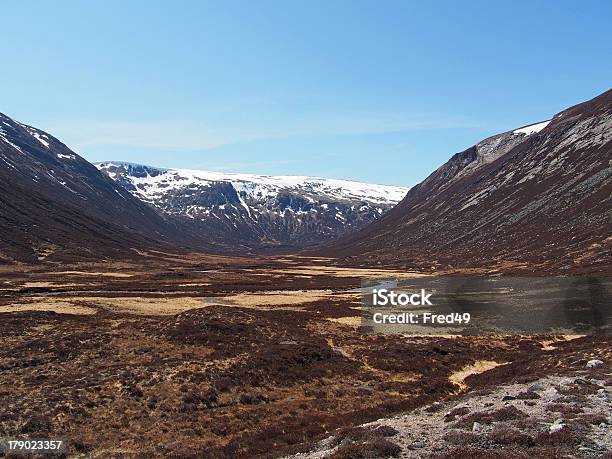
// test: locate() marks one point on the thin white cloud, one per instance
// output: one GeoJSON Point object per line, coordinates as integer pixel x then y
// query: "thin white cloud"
{"type": "Point", "coordinates": [155, 135]}
{"type": "Point", "coordinates": [186, 135]}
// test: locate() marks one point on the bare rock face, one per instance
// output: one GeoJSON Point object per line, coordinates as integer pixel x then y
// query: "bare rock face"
{"type": "Point", "coordinates": [536, 198]}
{"type": "Point", "coordinates": [251, 212]}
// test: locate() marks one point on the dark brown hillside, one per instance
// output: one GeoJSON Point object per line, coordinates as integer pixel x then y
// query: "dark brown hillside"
{"type": "Point", "coordinates": [56, 205]}
{"type": "Point", "coordinates": [534, 202]}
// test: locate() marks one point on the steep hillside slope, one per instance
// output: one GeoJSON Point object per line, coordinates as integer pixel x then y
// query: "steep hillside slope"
{"type": "Point", "coordinates": [534, 199]}
{"type": "Point", "coordinates": [252, 212]}
{"type": "Point", "coordinates": [54, 204]}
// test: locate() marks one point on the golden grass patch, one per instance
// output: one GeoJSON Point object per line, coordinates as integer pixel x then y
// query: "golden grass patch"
{"type": "Point", "coordinates": [46, 304]}
{"type": "Point", "coordinates": [84, 273]}
{"type": "Point", "coordinates": [458, 377]}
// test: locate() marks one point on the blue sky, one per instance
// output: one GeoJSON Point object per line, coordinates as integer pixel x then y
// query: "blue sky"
{"type": "Point", "coordinates": [380, 91]}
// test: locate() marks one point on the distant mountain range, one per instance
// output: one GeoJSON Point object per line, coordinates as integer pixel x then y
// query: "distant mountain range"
{"type": "Point", "coordinates": [254, 212]}
{"type": "Point", "coordinates": [534, 199]}
{"type": "Point", "coordinates": [54, 205]}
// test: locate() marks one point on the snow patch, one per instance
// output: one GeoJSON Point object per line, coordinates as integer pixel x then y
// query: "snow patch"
{"type": "Point", "coordinates": [43, 139]}
{"type": "Point", "coordinates": [10, 143]}
{"type": "Point", "coordinates": [532, 129]}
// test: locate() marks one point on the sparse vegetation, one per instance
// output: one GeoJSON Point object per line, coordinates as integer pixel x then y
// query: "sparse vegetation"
{"type": "Point", "coordinates": [236, 381]}
{"type": "Point", "coordinates": [507, 413]}
{"type": "Point", "coordinates": [374, 449]}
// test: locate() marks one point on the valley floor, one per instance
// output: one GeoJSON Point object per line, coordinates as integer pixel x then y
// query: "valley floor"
{"type": "Point", "coordinates": [202, 356]}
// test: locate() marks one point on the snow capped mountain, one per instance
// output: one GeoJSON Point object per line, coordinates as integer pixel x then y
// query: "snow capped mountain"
{"type": "Point", "coordinates": [257, 211]}
{"type": "Point", "coordinates": [151, 183]}
{"type": "Point", "coordinates": [55, 204]}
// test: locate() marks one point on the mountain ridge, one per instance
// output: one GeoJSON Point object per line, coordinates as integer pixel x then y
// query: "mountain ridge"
{"type": "Point", "coordinates": [54, 204]}
{"type": "Point", "coordinates": [256, 212]}
{"type": "Point", "coordinates": [541, 204]}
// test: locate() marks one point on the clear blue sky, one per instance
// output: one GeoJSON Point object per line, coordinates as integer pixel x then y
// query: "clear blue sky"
{"type": "Point", "coordinates": [381, 91]}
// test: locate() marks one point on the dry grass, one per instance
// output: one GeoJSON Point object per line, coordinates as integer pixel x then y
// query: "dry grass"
{"type": "Point", "coordinates": [170, 305]}
{"type": "Point", "coordinates": [90, 305]}
{"type": "Point", "coordinates": [480, 366]}
{"type": "Point", "coordinates": [83, 273]}
{"type": "Point", "coordinates": [148, 306]}
{"type": "Point", "coordinates": [354, 322]}
{"type": "Point", "coordinates": [46, 304]}
{"type": "Point", "coordinates": [551, 344]}
{"type": "Point", "coordinates": [248, 299]}
{"type": "Point", "coordinates": [337, 271]}
{"type": "Point", "coordinates": [36, 284]}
